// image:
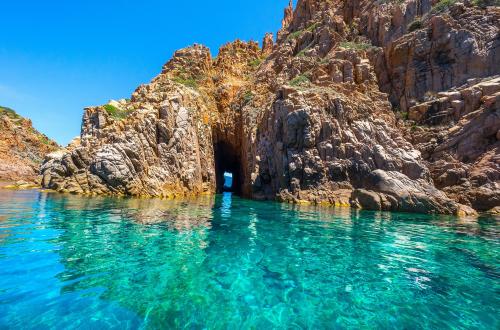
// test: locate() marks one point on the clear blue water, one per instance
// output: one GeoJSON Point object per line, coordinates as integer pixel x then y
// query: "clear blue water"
{"type": "Point", "coordinates": [228, 180]}
{"type": "Point", "coordinates": [227, 263]}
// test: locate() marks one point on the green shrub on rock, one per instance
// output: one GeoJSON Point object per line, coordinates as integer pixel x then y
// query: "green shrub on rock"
{"type": "Point", "coordinates": [442, 6]}
{"type": "Point", "coordinates": [115, 112]}
{"type": "Point", "coordinates": [9, 112]}
{"type": "Point", "coordinates": [486, 3]}
{"type": "Point", "coordinates": [300, 80]}
{"type": "Point", "coordinates": [356, 45]}
{"type": "Point", "coordinates": [417, 24]}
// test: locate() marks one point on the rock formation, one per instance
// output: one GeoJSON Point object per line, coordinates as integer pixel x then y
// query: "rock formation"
{"type": "Point", "coordinates": [267, 44]}
{"type": "Point", "coordinates": [385, 105]}
{"type": "Point", "coordinates": [288, 15]}
{"type": "Point", "coordinates": [22, 148]}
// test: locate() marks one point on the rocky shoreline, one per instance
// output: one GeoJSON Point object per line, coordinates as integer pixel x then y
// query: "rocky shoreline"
{"type": "Point", "coordinates": [391, 105]}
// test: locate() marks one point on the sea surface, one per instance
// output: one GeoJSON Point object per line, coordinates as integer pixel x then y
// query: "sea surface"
{"type": "Point", "coordinates": [70, 262]}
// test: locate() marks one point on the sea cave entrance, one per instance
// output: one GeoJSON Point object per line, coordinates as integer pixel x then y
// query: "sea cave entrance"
{"type": "Point", "coordinates": [227, 168]}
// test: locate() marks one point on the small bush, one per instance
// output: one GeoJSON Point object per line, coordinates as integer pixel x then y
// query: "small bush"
{"type": "Point", "coordinates": [9, 113]}
{"type": "Point", "coordinates": [324, 60]}
{"type": "Point", "coordinates": [44, 140]}
{"type": "Point", "coordinates": [442, 6]}
{"type": "Point", "coordinates": [313, 27]}
{"type": "Point", "coordinates": [393, 1]}
{"type": "Point", "coordinates": [300, 80]}
{"type": "Point", "coordinates": [186, 78]}
{"type": "Point", "coordinates": [256, 63]}
{"type": "Point", "coordinates": [417, 24]}
{"type": "Point", "coordinates": [189, 82]}
{"type": "Point", "coordinates": [116, 112]}
{"type": "Point", "coordinates": [486, 3]}
{"type": "Point", "coordinates": [248, 96]}
{"type": "Point", "coordinates": [302, 53]}
{"type": "Point", "coordinates": [356, 45]}
{"type": "Point", "coordinates": [294, 35]}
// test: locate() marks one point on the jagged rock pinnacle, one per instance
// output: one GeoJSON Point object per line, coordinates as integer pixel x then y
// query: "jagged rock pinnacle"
{"type": "Point", "coordinates": [288, 15]}
{"type": "Point", "coordinates": [268, 44]}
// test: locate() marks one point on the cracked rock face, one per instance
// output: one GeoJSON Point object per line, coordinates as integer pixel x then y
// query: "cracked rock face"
{"type": "Point", "coordinates": [459, 138]}
{"type": "Point", "coordinates": [155, 151]}
{"type": "Point", "coordinates": [314, 118]}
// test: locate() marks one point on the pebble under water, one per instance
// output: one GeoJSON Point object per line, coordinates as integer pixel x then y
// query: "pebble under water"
{"type": "Point", "coordinates": [229, 263]}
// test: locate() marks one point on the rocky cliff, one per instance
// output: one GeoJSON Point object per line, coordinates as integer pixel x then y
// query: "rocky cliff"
{"type": "Point", "coordinates": [22, 148]}
{"type": "Point", "coordinates": [386, 105]}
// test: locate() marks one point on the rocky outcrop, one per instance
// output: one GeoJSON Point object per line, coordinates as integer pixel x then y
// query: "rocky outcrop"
{"type": "Point", "coordinates": [267, 44]}
{"type": "Point", "coordinates": [161, 141]}
{"type": "Point", "coordinates": [461, 44]}
{"type": "Point", "coordinates": [393, 191]}
{"type": "Point", "coordinates": [311, 119]}
{"type": "Point", "coordinates": [439, 65]}
{"type": "Point", "coordinates": [458, 134]}
{"type": "Point", "coordinates": [22, 148]}
{"type": "Point", "coordinates": [288, 15]}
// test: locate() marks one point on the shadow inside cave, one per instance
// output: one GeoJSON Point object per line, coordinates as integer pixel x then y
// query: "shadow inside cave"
{"type": "Point", "coordinates": [227, 168]}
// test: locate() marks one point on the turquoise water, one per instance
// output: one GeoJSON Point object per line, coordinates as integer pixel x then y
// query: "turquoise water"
{"type": "Point", "coordinates": [228, 180]}
{"type": "Point", "coordinates": [227, 263]}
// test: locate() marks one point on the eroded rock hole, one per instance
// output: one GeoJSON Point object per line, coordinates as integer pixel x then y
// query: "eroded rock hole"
{"type": "Point", "coordinates": [227, 168]}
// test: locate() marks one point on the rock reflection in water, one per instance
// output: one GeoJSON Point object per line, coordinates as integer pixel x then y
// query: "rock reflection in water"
{"type": "Point", "coordinates": [167, 237]}
{"type": "Point", "coordinates": [180, 214]}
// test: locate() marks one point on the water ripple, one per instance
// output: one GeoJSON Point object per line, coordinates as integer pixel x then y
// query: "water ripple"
{"type": "Point", "coordinates": [227, 263]}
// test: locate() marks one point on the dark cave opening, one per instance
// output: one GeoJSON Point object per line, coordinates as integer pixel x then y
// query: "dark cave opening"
{"type": "Point", "coordinates": [227, 168]}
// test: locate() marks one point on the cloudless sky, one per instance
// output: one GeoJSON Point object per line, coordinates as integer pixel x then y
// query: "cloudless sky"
{"type": "Point", "coordinates": [59, 56]}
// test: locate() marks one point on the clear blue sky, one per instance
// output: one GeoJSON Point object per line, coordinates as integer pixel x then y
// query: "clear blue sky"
{"type": "Point", "coordinates": [58, 56]}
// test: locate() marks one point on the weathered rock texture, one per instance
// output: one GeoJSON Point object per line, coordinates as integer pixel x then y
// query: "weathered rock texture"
{"type": "Point", "coordinates": [320, 116]}
{"type": "Point", "coordinates": [22, 148]}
